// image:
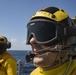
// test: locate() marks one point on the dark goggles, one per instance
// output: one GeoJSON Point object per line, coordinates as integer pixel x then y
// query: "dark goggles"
{"type": "Point", "coordinates": [45, 32]}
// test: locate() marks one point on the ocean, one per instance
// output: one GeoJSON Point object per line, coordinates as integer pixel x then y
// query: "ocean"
{"type": "Point", "coordinates": [26, 67]}
{"type": "Point", "coordinates": [19, 54]}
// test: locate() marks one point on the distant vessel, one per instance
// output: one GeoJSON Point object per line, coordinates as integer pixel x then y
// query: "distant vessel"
{"type": "Point", "coordinates": [24, 68]}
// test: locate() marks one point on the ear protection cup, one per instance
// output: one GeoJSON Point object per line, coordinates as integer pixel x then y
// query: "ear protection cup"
{"type": "Point", "coordinates": [8, 44]}
{"type": "Point", "coordinates": [4, 43]}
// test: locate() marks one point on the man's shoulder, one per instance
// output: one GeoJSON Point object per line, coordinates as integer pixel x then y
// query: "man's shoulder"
{"type": "Point", "coordinates": [6, 56]}
{"type": "Point", "coordinates": [35, 71]}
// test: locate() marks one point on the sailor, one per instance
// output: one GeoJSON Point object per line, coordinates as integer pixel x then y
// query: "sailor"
{"type": "Point", "coordinates": [7, 61]}
{"type": "Point", "coordinates": [52, 36]}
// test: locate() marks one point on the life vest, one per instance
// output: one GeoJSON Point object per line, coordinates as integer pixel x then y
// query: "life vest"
{"type": "Point", "coordinates": [57, 71]}
{"type": "Point", "coordinates": [3, 58]}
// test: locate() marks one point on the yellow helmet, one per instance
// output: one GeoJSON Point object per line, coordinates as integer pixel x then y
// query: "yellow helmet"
{"type": "Point", "coordinates": [3, 40]}
{"type": "Point", "coordinates": [4, 43]}
{"type": "Point", "coordinates": [52, 13]}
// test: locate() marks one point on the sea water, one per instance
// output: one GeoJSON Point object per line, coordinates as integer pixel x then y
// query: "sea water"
{"type": "Point", "coordinates": [19, 54]}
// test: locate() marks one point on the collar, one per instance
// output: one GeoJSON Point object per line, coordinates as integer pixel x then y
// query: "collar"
{"type": "Point", "coordinates": [59, 70]}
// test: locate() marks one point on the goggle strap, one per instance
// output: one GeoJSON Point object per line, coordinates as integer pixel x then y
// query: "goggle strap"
{"type": "Point", "coordinates": [44, 20]}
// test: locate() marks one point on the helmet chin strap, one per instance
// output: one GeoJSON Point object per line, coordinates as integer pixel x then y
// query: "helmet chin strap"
{"type": "Point", "coordinates": [69, 64]}
{"type": "Point", "coordinates": [57, 48]}
{"type": "Point", "coordinates": [71, 50]}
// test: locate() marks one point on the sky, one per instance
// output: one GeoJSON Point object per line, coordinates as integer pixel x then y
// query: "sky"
{"type": "Point", "coordinates": [15, 14]}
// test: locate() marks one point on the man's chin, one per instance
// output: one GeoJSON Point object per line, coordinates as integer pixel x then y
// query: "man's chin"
{"type": "Point", "coordinates": [38, 60]}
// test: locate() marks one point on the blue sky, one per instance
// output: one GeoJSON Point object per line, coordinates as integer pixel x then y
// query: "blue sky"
{"type": "Point", "coordinates": [15, 14]}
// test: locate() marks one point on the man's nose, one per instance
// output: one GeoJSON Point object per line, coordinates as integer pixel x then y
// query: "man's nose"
{"type": "Point", "coordinates": [32, 40]}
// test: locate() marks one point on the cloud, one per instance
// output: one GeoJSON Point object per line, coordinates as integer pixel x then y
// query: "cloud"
{"type": "Point", "coordinates": [13, 40]}
{"type": "Point", "coordinates": [24, 41]}
{"type": "Point", "coordinates": [19, 45]}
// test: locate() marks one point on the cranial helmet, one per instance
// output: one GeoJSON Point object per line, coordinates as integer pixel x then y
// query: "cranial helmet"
{"type": "Point", "coordinates": [49, 26]}
{"type": "Point", "coordinates": [4, 43]}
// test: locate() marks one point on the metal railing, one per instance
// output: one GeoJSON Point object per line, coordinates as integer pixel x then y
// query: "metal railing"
{"type": "Point", "coordinates": [24, 68]}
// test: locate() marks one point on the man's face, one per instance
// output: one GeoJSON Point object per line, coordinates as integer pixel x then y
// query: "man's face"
{"type": "Point", "coordinates": [42, 59]}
